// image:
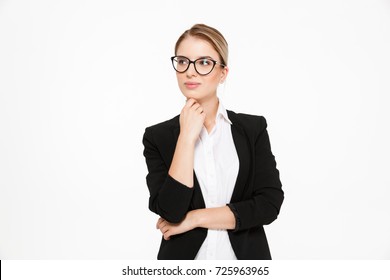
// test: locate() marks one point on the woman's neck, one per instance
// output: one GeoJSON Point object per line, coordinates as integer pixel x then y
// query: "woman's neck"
{"type": "Point", "coordinates": [210, 107]}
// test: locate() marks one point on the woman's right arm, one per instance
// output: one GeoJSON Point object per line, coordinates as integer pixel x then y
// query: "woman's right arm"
{"type": "Point", "coordinates": [191, 122]}
{"type": "Point", "coordinates": [171, 189]}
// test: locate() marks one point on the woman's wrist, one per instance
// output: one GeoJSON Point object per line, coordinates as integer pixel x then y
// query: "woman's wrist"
{"type": "Point", "coordinates": [194, 218]}
{"type": "Point", "coordinates": [186, 140]}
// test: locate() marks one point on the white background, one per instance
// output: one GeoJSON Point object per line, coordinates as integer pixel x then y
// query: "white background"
{"type": "Point", "coordinates": [80, 81]}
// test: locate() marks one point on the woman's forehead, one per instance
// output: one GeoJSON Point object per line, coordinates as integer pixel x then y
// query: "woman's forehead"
{"type": "Point", "coordinates": [193, 48]}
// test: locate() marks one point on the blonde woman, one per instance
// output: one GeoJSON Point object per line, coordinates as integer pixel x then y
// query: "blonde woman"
{"type": "Point", "coordinates": [212, 176]}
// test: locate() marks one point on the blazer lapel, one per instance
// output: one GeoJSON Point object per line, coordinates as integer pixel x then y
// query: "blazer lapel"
{"type": "Point", "coordinates": [243, 151]}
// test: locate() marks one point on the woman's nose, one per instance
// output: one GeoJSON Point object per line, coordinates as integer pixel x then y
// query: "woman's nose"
{"type": "Point", "coordinates": [191, 70]}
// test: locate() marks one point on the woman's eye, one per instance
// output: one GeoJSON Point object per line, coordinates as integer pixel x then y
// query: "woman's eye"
{"type": "Point", "coordinates": [205, 62]}
{"type": "Point", "coordinates": [182, 61]}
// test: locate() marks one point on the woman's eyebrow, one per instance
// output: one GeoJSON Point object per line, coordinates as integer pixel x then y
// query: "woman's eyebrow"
{"type": "Point", "coordinates": [205, 56]}
{"type": "Point", "coordinates": [199, 57]}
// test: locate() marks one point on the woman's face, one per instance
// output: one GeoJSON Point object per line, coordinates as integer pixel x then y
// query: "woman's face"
{"type": "Point", "coordinates": [193, 85]}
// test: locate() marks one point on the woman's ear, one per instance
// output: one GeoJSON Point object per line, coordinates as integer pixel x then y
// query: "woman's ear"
{"type": "Point", "coordinates": [224, 74]}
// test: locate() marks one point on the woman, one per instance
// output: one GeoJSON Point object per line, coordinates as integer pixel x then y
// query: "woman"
{"type": "Point", "coordinates": [212, 176]}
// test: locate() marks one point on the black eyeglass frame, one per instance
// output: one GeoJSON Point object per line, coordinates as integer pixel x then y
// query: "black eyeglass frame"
{"type": "Point", "coordinates": [193, 61]}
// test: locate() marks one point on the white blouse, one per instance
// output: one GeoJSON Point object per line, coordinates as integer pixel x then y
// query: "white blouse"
{"type": "Point", "coordinates": [216, 167]}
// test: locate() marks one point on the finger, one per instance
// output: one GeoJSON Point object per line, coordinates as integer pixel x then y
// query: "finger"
{"type": "Point", "coordinates": [199, 109]}
{"type": "Point", "coordinates": [159, 221]}
{"type": "Point", "coordinates": [167, 236]}
{"type": "Point", "coordinates": [195, 106]}
{"type": "Point", "coordinates": [190, 102]}
{"type": "Point", "coordinates": [164, 230]}
{"type": "Point", "coordinates": [163, 227]}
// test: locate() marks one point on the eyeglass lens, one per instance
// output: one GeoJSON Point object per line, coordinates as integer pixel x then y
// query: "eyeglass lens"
{"type": "Point", "coordinates": [202, 65]}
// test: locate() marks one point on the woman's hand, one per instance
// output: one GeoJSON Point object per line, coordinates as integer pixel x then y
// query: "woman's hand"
{"type": "Point", "coordinates": [191, 120]}
{"type": "Point", "coordinates": [168, 229]}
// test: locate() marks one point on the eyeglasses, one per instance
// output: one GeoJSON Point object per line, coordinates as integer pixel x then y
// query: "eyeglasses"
{"type": "Point", "coordinates": [203, 66]}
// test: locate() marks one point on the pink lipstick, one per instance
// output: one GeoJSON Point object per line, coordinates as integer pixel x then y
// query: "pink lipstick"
{"type": "Point", "coordinates": [191, 85]}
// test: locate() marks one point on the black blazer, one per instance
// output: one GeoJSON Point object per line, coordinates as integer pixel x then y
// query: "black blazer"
{"type": "Point", "coordinates": [256, 199]}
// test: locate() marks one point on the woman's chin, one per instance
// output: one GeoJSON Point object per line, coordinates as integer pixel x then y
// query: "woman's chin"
{"type": "Point", "coordinates": [189, 95]}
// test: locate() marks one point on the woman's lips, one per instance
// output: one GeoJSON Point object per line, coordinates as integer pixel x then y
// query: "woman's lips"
{"type": "Point", "coordinates": [191, 85]}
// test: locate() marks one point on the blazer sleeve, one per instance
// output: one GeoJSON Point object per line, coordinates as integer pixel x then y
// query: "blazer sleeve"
{"type": "Point", "coordinates": [168, 198]}
{"type": "Point", "coordinates": [267, 196]}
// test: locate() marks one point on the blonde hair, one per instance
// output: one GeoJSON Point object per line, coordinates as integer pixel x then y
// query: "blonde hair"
{"type": "Point", "coordinates": [209, 34]}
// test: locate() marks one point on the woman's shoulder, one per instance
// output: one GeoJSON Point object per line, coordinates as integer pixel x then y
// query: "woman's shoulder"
{"type": "Point", "coordinates": [164, 125]}
{"type": "Point", "coordinates": [248, 121]}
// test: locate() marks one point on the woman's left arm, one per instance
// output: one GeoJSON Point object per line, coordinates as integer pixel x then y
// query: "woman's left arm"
{"type": "Point", "coordinates": [267, 194]}
{"type": "Point", "coordinates": [211, 218]}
